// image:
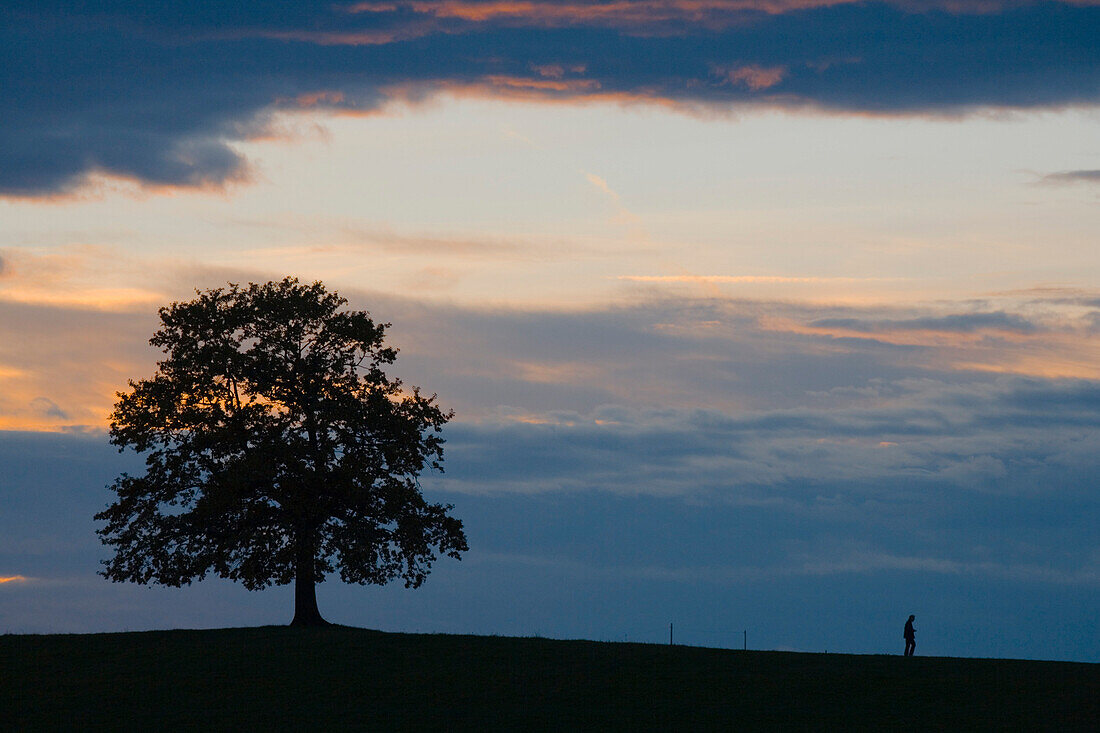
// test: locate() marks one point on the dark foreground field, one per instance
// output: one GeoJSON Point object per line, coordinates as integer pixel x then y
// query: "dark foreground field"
{"type": "Point", "coordinates": [338, 678]}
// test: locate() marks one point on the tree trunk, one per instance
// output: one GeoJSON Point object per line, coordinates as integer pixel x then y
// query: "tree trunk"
{"type": "Point", "coordinates": [305, 586]}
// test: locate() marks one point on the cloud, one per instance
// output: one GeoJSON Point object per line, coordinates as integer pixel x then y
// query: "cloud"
{"type": "Point", "coordinates": [80, 276]}
{"type": "Point", "coordinates": [48, 408]}
{"type": "Point", "coordinates": [647, 16]}
{"type": "Point", "coordinates": [1006, 438]}
{"type": "Point", "coordinates": [601, 184]}
{"type": "Point", "coordinates": [1082, 176]}
{"type": "Point", "coordinates": [664, 447]}
{"type": "Point", "coordinates": [957, 323]}
{"type": "Point", "coordinates": [67, 379]}
{"type": "Point", "coordinates": [849, 552]}
{"type": "Point", "coordinates": [743, 279]}
{"type": "Point", "coordinates": [845, 563]}
{"type": "Point", "coordinates": [653, 351]}
{"type": "Point", "coordinates": [753, 76]}
{"type": "Point", "coordinates": [741, 352]}
{"type": "Point", "coordinates": [644, 14]}
{"type": "Point", "coordinates": [360, 240]}
{"type": "Point", "coordinates": [161, 97]}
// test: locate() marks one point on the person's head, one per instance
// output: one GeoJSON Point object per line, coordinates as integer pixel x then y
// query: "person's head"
{"type": "Point", "coordinates": [911, 617]}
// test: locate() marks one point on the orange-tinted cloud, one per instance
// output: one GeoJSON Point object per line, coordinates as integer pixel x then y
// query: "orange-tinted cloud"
{"type": "Point", "coordinates": [313, 99]}
{"type": "Point", "coordinates": [574, 86]}
{"type": "Point", "coordinates": [60, 367]}
{"type": "Point", "coordinates": [649, 13]}
{"type": "Point", "coordinates": [76, 276]}
{"type": "Point", "coordinates": [73, 328]}
{"type": "Point", "coordinates": [1064, 347]}
{"type": "Point", "coordinates": [519, 88]}
{"type": "Point", "coordinates": [753, 76]}
{"type": "Point", "coordinates": [601, 184]}
{"type": "Point", "coordinates": [740, 279]}
{"type": "Point", "coordinates": [580, 13]}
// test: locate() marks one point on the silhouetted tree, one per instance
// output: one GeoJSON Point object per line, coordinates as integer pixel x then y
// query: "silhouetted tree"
{"type": "Point", "coordinates": [277, 449]}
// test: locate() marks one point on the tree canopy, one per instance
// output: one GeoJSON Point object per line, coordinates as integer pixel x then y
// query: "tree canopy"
{"type": "Point", "coordinates": [277, 449]}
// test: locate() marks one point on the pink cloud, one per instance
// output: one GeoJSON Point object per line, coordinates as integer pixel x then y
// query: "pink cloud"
{"type": "Point", "coordinates": [753, 76]}
{"type": "Point", "coordinates": [628, 13]}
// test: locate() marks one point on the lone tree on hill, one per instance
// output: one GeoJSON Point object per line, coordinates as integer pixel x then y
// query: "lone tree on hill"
{"type": "Point", "coordinates": [277, 449]}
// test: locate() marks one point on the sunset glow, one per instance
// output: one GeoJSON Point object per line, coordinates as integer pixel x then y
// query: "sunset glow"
{"type": "Point", "coordinates": [733, 291]}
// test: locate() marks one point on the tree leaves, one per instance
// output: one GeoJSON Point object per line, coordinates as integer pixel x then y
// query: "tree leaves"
{"type": "Point", "coordinates": [269, 428]}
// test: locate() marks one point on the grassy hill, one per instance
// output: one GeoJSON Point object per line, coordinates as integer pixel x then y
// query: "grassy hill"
{"type": "Point", "coordinates": [341, 678]}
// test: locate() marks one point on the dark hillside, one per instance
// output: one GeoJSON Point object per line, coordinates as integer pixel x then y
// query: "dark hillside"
{"type": "Point", "coordinates": [340, 678]}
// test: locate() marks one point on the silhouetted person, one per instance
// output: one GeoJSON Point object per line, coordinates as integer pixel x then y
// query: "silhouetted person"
{"type": "Point", "coordinates": [910, 637]}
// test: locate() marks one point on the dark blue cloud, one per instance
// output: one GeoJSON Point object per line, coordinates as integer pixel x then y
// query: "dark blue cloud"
{"type": "Point", "coordinates": [1010, 438]}
{"type": "Point", "coordinates": [956, 323]}
{"type": "Point", "coordinates": [1082, 176]}
{"type": "Point", "coordinates": [719, 475]}
{"type": "Point", "coordinates": [990, 574]}
{"type": "Point", "coordinates": [158, 92]}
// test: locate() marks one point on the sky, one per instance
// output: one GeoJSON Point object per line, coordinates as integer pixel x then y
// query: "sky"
{"type": "Point", "coordinates": [770, 319]}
